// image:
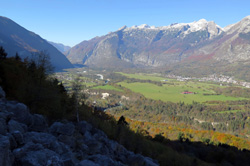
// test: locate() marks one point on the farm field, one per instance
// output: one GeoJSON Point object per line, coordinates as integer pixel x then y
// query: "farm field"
{"type": "Point", "coordinates": [107, 87]}
{"type": "Point", "coordinates": [142, 76]}
{"type": "Point", "coordinates": [201, 92]}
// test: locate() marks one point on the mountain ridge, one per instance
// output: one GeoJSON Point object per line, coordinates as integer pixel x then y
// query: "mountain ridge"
{"type": "Point", "coordinates": [16, 39]}
{"type": "Point", "coordinates": [150, 46]}
{"type": "Point", "coordinates": [60, 47]}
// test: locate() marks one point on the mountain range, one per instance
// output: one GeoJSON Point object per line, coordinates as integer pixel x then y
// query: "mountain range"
{"type": "Point", "coordinates": [16, 39]}
{"type": "Point", "coordinates": [143, 46]}
{"type": "Point", "coordinates": [198, 47]}
{"type": "Point", "coordinates": [61, 47]}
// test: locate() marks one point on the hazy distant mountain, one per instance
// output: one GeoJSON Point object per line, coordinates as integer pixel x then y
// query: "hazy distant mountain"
{"type": "Point", "coordinates": [15, 38]}
{"type": "Point", "coordinates": [144, 45]}
{"type": "Point", "coordinates": [61, 47]}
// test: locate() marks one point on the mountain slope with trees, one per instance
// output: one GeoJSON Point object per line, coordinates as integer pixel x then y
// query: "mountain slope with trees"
{"type": "Point", "coordinates": [16, 39]}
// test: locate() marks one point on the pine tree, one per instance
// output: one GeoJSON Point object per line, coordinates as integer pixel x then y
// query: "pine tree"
{"type": "Point", "coordinates": [17, 57]}
{"type": "Point", "coordinates": [3, 54]}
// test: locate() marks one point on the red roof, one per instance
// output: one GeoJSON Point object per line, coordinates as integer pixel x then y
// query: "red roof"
{"type": "Point", "coordinates": [187, 92]}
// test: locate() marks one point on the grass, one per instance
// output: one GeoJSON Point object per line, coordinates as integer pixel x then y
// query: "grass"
{"type": "Point", "coordinates": [88, 84]}
{"type": "Point", "coordinates": [173, 93]}
{"type": "Point", "coordinates": [144, 76]}
{"type": "Point", "coordinates": [108, 87]}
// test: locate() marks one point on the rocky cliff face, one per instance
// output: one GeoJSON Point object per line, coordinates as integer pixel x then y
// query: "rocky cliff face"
{"type": "Point", "coordinates": [26, 139]}
{"type": "Point", "coordinates": [149, 46]}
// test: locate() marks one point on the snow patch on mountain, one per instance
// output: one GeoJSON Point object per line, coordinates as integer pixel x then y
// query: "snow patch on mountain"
{"type": "Point", "coordinates": [143, 27]}
{"type": "Point", "coordinates": [198, 25]}
{"type": "Point", "coordinates": [228, 27]}
{"type": "Point", "coordinates": [187, 28]}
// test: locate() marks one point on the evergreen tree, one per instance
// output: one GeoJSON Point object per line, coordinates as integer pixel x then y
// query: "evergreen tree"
{"type": "Point", "coordinates": [78, 96]}
{"type": "Point", "coordinates": [17, 57]}
{"type": "Point", "coordinates": [3, 54]}
{"type": "Point", "coordinates": [122, 121]}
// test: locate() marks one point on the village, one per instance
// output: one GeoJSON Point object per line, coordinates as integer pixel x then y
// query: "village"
{"type": "Point", "coordinates": [214, 78]}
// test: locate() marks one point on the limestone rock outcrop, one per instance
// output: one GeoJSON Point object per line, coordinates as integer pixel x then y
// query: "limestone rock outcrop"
{"type": "Point", "coordinates": [26, 139]}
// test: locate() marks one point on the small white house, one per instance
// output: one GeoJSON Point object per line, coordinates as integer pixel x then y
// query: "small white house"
{"type": "Point", "coordinates": [100, 75]}
{"type": "Point", "coordinates": [105, 95]}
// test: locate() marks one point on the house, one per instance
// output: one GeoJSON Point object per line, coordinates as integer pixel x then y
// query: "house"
{"type": "Point", "coordinates": [105, 95]}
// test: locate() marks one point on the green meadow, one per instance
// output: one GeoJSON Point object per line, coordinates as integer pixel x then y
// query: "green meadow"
{"type": "Point", "coordinates": [142, 76]}
{"type": "Point", "coordinates": [107, 87]}
{"type": "Point", "coordinates": [172, 90]}
{"type": "Point", "coordinates": [88, 84]}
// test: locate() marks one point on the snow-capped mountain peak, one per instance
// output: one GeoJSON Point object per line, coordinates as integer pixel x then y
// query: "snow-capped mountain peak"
{"type": "Point", "coordinates": [198, 25]}
{"type": "Point", "coordinates": [143, 26]}
{"type": "Point", "coordinates": [186, 28]}
{"type": "Point", "coordinates": [202, 25]}
{"type": "Point", "coordinates": [148, 46]}
{"type": "Point", "coordinates": [201, 22]}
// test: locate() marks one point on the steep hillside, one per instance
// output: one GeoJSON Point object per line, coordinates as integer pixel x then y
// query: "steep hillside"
{"type": "Point", "coordinates": [27, 139]}
{"type": "Point", "coordinates": [15, 38]}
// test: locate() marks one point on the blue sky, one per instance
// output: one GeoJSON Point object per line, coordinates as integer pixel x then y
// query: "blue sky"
{"type": "Point", "coordinates": [72, 21]}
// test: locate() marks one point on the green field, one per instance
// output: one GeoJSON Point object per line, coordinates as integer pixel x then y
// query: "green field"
{"type": "Point", "coordinates": [88, 84]}
{"type": "Point", "coordinates": [173, 93]}
{"type": "Point", "coordinates": [108, 87]}
{"type": "Point", "coordinates": [144, 76]}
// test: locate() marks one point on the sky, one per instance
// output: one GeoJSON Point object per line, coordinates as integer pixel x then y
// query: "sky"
{"type": "Point", "coordinates": [72, 21]}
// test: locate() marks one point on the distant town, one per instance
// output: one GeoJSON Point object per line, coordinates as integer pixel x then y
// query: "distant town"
{"type": "Point", "coordinates": [214, 78]}
{"type": "Point", "coordinates": [211, 78]}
